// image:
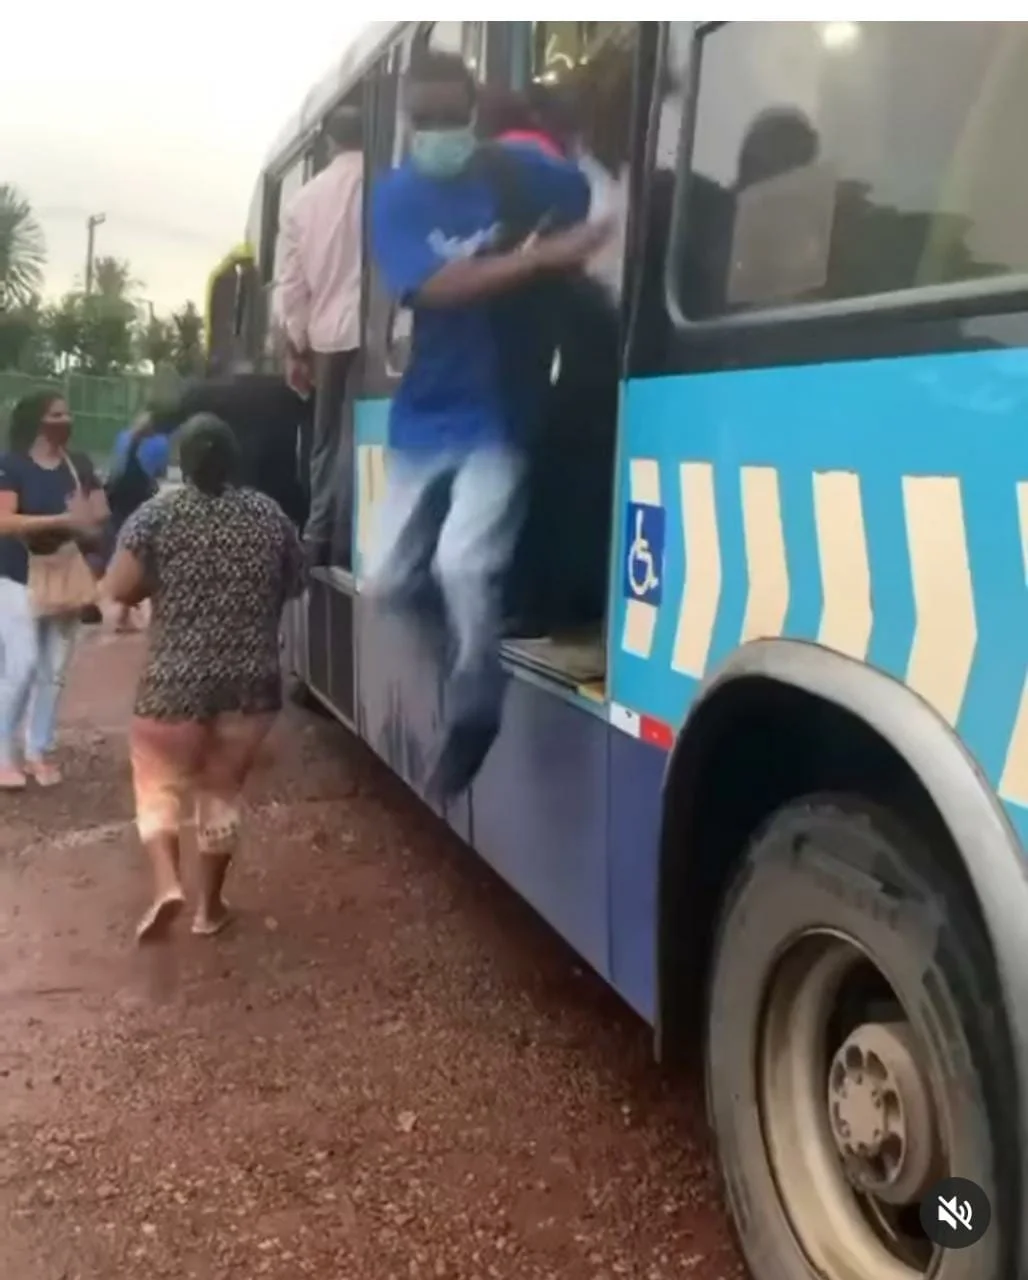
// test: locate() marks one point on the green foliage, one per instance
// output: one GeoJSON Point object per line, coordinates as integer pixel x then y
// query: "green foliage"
{"type": "Point", "coordinates": [64, 323]}
{"type": "Point", "coordinates": [113, 279]}
{"type": "Point", "coordinates": [23, 339]}
{"type": "Point", "coordinates": [188, 340]}
{"type": "Point", "coordinates": [107, 341]}
{"type": "Point", "coordinates": [98, 334]}
{"type": "Point", "coordinates": [157, 341]}
{"type": "Point", "coordinates": [22, 250]}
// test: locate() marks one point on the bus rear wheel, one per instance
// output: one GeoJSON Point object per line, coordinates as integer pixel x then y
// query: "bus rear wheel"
{"type": "Point", "coordinates": [855, 1054]}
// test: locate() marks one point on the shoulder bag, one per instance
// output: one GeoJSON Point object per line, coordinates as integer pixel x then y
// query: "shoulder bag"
{"type": "Point", "coordinates": [61, 582]}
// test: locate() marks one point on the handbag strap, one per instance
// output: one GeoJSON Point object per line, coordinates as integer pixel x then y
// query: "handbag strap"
{"type": "Point", "coordinates": [73, 470]}
{"type": "Point", "coordinates": [74, 473]}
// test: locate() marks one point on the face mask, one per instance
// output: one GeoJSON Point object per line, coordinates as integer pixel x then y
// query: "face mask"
{"type": "Point", "coordinates": [442, 153]}
{"type": "Point", "coordinates": [56, 434]}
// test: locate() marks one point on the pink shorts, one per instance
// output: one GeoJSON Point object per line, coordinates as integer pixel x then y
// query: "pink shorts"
{"type": "Point", "coordinates": [207, 763]}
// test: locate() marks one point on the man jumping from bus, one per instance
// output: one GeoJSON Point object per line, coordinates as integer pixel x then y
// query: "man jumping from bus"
{"type": "Point", "coordinates": [318, 298]}
{"type": "Point", "coordinates": [478, 368]}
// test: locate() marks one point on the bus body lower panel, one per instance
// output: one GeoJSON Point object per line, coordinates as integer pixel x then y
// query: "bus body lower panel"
{"type": "Point", "coordinates": [634, 803]}
{"type": "Point", "coordinates": [539, 818]}
{"type": "Point", "coordinates": [536, 812]}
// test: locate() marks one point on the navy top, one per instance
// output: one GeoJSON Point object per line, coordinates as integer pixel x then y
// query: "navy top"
{"type": "Point", "coordinates": [42, 491]}
{"type": "Point", "coordinates": [470, 378]}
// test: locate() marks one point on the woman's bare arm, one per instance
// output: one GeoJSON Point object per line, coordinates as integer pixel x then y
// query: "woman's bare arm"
{"type": "Point", "coordinates": [14, 524]}
{"type": "Point", "coordinates": [98, 507]}
{"type": "Point", "coordinates": [125, 581]}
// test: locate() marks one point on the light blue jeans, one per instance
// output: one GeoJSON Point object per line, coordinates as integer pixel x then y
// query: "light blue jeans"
{"type": "Point", "coordinates": [34, 654]}
{"type": "Point", "coordinates": [454, 518]}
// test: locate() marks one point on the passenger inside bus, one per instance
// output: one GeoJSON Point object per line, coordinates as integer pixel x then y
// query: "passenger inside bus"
{"type": "Point", "coordinates": [582, 99]}
{"type": "Point", "coordinates": [557, 583]}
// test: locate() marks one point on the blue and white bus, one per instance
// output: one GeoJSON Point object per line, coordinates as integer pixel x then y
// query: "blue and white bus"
{"type": "Point", "coordinates": [775, 788]}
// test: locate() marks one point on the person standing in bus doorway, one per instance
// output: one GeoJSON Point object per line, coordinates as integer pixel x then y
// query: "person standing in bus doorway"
{"type": "Point", "coordinates": [268, 419]}
{"type": "Point", "coordinates": [479, 365]}
{"type": "Point", "coordinates": [318, 297]}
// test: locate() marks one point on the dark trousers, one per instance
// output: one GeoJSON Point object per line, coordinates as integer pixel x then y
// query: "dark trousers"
{"type": "Point", "coordinates": [331, 482]}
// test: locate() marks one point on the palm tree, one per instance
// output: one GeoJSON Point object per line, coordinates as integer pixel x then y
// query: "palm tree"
{"type": "Point", "coordinates": [113, 279]}
{"type": "Point", "coordinates": [188, 328]}
{"type": "Point", "coordinates": [22, 250]}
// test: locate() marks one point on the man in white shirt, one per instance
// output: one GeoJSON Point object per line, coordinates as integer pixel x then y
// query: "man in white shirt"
{"type": "Point", "coordinates": [318, 302]}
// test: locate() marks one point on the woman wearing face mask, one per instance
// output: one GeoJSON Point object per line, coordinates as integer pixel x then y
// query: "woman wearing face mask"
{"type": "Point", "coordinates": [48, 499]}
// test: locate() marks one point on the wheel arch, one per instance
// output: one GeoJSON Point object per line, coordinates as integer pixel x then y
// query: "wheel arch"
{"type": "Point", "coordinates": [788, 717]}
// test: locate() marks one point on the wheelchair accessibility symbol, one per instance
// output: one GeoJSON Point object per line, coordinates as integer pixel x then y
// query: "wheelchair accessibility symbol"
{"type": "Point", "coordinates": [644, 560]}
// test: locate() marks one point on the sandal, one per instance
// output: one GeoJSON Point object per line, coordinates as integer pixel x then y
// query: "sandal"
{"type": "Point", "coordinates": [204, 927]}
{"type": "Point", "coordinates": [43, 773]}
{"type": "Point", "coordinates": [12, 779]}
{"type": "Point", "coordinates": [160, 917]}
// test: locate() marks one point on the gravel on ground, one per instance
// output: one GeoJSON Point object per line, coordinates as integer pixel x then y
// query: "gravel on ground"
{"type": "Point", "coordinates": [388, 1069]}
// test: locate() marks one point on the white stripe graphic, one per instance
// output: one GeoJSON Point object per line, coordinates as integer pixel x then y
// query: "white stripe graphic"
{"type": "Point", "coordinates": [371, 474]}
{"type": "Point", "coordinates": [640, 616]}
{"type": "Point", "coordinates": [1013, 784]}
{"type": "Point", "coordinates": [846, 615]}
{"type": "Point", "coordinates": [702, 591]}
{"type": "Point", "coordinates": [946, 631]}
{"type": "Point", "coordinates": [767, 569]}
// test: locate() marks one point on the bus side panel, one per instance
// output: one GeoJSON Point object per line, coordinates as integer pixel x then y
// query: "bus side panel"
{"type": "Point", "coordinates": [878, 507]}
{"type": "Point", "coordinates": [634, 804]}
{"type": "Point", "coordinates": [397, 680]}
{"type": "Point", "coordinates": [370, 444]}
{"type": "Point", "coordinates": [538, 813]}
{"type": "Point", "coordinates": [535, 811]}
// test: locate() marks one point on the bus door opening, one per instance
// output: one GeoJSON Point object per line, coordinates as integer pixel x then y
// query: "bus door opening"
{"type": "Point", "coordinates": [582, 86]}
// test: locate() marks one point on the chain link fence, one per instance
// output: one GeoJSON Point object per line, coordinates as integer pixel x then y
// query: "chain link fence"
{"type": "Point", "coordinates": [101, 407]}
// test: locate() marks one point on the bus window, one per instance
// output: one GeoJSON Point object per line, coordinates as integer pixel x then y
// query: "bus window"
{"type": "Point", "coordinates": [587, 70]}
{"type": "Point", "coordinates": [278, 194]}
{"type": "Point", "coordinates": [446, 37]}
{"type": "Point", "coordinates": [291, 182]}
{"type": "Point", "coordinates": [559, 49]}
{"type": "Point", "coordinates": [464, 38]}
{"type": "Point", "coordinates": [837, 160]}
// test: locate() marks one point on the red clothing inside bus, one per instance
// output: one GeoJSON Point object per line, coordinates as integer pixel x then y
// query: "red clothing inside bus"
{"type": "Point", "coordinates": [534, 138]}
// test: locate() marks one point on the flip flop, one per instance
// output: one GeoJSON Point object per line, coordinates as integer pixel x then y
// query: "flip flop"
{"type": "Point", "coordinates": [160, 917]}
{"type": "Point", "coordinates": [204, 928]}
{"type": "Point", "coordinates": [12, 779]}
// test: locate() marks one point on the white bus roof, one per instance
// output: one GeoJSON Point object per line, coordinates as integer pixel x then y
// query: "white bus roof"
{"type": "Point", "coordinates": [345, 71]}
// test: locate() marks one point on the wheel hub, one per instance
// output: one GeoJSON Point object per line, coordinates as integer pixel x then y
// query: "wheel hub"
{"type": "Point", "coordinates": [880, 1113]}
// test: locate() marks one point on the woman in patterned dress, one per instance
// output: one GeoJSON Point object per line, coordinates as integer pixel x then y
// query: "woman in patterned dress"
{"type": "Point", "coordinates": [218, 563]}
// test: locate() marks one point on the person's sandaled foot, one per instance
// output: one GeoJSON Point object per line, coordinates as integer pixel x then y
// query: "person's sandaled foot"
{"type": "Point", "coordinates": [12, 779]}
{"type": "Point", "coordinates": [208, 924]}
{"type": "Point", "coordinates": [43, 773]}
{"type": "Point", "coordinates": [160, 917]}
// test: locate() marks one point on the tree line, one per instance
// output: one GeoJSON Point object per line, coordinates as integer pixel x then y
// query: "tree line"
{"type": "Point", "coordinates": [105, 332]}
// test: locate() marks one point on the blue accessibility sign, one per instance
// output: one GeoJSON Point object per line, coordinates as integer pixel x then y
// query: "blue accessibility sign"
{"type": "Point", "coordinates": [644, 553]}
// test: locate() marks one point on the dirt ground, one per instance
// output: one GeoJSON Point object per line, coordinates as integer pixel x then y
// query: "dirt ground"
{"type": "Point", "coordinates": [388, 1068]}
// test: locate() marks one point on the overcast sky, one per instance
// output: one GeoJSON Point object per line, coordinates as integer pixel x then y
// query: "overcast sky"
{"type": "Point", "coordinates": [159, 118]}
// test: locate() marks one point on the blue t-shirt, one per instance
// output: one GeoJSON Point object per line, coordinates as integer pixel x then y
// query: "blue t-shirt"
{"type": "Point", "coordinates": [462, 387]}
{"type": "Point", "coordinates": [153, 453]}
{"type": "Point", "coordinates": [41, 491]}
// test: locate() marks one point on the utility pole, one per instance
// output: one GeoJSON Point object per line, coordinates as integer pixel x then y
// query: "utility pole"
{"type": "Point", "coordinates": [92, 222]}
